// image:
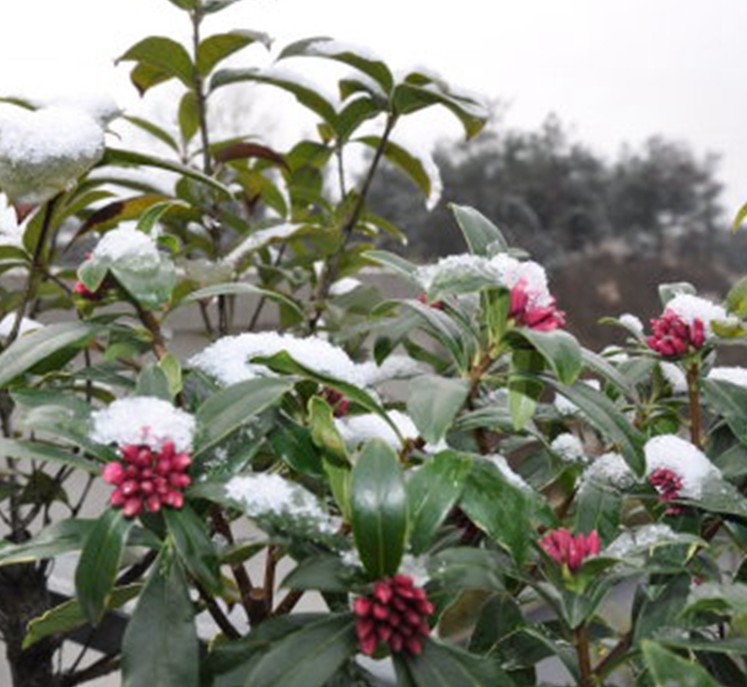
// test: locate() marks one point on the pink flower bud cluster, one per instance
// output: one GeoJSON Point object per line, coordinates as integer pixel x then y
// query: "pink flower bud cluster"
{"type": "Point", "coordinates": [668, 484]}
{"type": "Point", "coordinates": [148, 478]}
{"type": "Point", "coordinates": [396, 613]}
{"type": "Point", "coordinates": [340, 404]}
{"type": "Point", "coordinates": [80, 289]}
{"type": "Point", "coordinates": [565, 549]}
{"type": "Point", "coordinates": [672, 337]}
{"type": "Point", "coordinates": [525, 313]}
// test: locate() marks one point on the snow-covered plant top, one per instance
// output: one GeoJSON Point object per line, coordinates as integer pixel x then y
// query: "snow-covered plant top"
{"type": "Point", "coordinates": [281, 503]}
{"type": "Point", "coordinates": [732, 374]}
{"type": "Point", "coordinates": [143, 420]}
{"type": "Point", "coordinates": [690, 465]}
{"type": "Point", "coordinates": [127, 245]}
{"type": "Point", "coordinates": [690, 308]}
{"type": "Point", "coordinates": [43, 151]}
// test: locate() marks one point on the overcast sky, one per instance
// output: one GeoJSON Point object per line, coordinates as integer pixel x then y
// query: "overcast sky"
{"type": "Point", "coordinates": [616, 70]}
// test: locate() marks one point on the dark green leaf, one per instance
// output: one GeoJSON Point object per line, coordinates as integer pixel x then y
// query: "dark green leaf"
{"type": "Point", "coordinates": [99, 563]}
{"type": "Point", "coordinates": [163, 55]}
{"type": "Point", "coordinates": [464, 567]}
{"type": "Point", "coordinates": [442, 665]}
{"type": "Point", "coordinates": [730, 401]}
{"type": "Point", "coordinates": [243, 289]}
{"type": "Point", "coordinates": [228, 409]}
{"type": "Point", "coordinates": [608, 419]}
{"type": "Point", "coordinates": [160, 647]}
{"type": "Point", "coordinates": [667, 669]}
{"type": "Point", "coordinates": [189, 116]}
{"type": "Point", "coordinates": [194, 547]}
{"type": "Point", "coordinates": [61, 537]}
{"type": "Point", "coordinates": [32, 348]}
{"type": "Point", "coordinates": [499, 507]}
{"type": "Point", "coordinates": [216, 48]}
{"type": "Point", "coordinates": [69, 615]}
{"type": "Point", "coordinates": [293, 445]}
{"type": "Point", "coordinates": [560, 349]}
{"type": "Point", "coordinates": [37, 450]}
{"type": "Point", "coordinates": [152, 381]}
{"type": "Point", "coordinates": [401, 158]}
{"type": "Point", "coordinates": [433, 403]}
{"type": "Point", "coordinates": [307, 657]}
{"type": "Point", "coordinates": [154, 130]}
{"type": "Point", "coordinates": [432, 492]}
{"type": "Point", "coordinates": [303, 93]}
{"type": "Point", "coordinates": [379, 509]}
{"type": "Point", "coordinates": [324, 572]}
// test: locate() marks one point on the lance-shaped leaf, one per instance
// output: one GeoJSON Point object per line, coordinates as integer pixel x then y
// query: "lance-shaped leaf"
{"type": "Point", "coordinates": [608, 419]}
{"type": "Point", "coordinates": [44, 452]}
{"type": "Point", "coordinates": [308, 657]}
{"type": "Point", "coordinates": [560, 350]}
{"type": "Point", "coordinates": [129, 158]}
{"type": "Point", "coordinates": [230, 408]}
{"type": "Point", "coordinates": [481, 235]}
{"type": "Point", "coordinates": [61, 537]}
{"type": "Point", "coordinates": [379, 509]}
{"type": "Point", "coordinates": [216, 48]}
{"type": "Point", "coordinates": [69, 615]}
{"type": "Point", "coordinates": [159, 59]}
{"type": "Point", "coordinates": [99, 563]}
{"type": "Point", "coordinates": [433, 403]}
{"type": "Point", "coordinates": [194, 547]}
{"type": "Point", "coordinates": [395, 262]}
{"type": "Point", "coordinates": [160, 647]}
{"type": "Point", "coordinates": [667, 668]}
{"type": "Point", "coordinates": [304, 93]}
{"type": "Point", "coordinates": [730, 401]}
{"type": "Point", "coordinates": [432, 492]}
{"type": "Point", "coordinates": [441, 665]}
{"type": "Point", "coordinates": [419, 91]}
{"type": "Point", "coordinates": [353, 56]}
{"type": "Point", "coordinates": [33, 348]}
{"type": "Point", "coordinates": [244, 289]}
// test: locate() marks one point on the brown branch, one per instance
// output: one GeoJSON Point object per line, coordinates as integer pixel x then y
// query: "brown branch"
{"type": "Point", "coordinates": [615, 654]}
{"type": "Point", "coordinates": [288, 603]}
{"type": "Point", "coordinates": [693, 394]}
{"type": "Point", "coordinates": [104, 666]}
{"type": "Point", "coordinates": [217, 614]}
{"type": "Point", "coordinates": [581, 636]}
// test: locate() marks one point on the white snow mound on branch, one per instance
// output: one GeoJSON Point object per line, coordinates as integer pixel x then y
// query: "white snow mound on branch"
{"type": "Point", "coordinates": [688, 462]}
{"type": "Point", "coordinates": [143, 420]}
{"type": "Point", "coordinates": [689, 308]}
{"type": "Point", "coordinates": [128, 244]}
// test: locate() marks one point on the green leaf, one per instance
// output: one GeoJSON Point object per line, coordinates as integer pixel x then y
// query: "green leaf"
{"type": "Point", "coordinates": [608, 419]}
{"type": "Point", "coordinates": [432, 492]}
{"type": "Point", "coordinates": [730, 402]}
{"type": "Point", "coordinates": [69, 615]}
{"type": "Point", "coordinates": [189, 116]}
{"type": "Point", "coordinates": [32, 348]}
{"type": "Point", "coordinates": [244, 289]}
{"type": "Point", "coordinates": [293, 444]}
{"type": "Point", "coordinates": [129, 158]}
{"type": "Point", "coordinates": [667, 669]}
{"type": "Point", "coordinates": [668, 291]}
{"type": "Point", "coordinates": [736, 299]}
{"type": "Point", "coordinates": [216, 48]}
{"type": "Point", "coordinates": [39, 451]}
{"type": "Point", "coordinates": [160, 647]}
{"type": "Point", "coordinates": [61, 537]}
{"type": "Point", "coordinates": [229, 408]}
{"type": "Point", "coordinates": [172, 369]}
{"type": "Point", "coordinates": [433, 403]}
{"type": "Point", "coordinates": [394, 262]}
{"type": "Point", "coordinates": [465, 567]}
{"type": "Point", "coordinates": [194, 547]}
{"type": "Point", "coordinates": [325, 572]}
{"type": "Point", "coordinates": [324, 433]}
{"type": "Point", "coordinates": [524, 390]}
{"type": "Point", "coordinates": [379, 509]}
{"type": "Point", "coordinates": [739, 218]}
{"type": "Point", "coordinates": [401, 158]}
{"type": "Point", "coordinates": [499, 507]}
{"type": "Point", "coordinates": [99, 563]}
{"type": "Point", "coordinates": [284, 363]}
{"type": "Point", "coordinates": [442, 665]}
{"type": "Point", "coordinates": [481, 235]}
{"type": "Point", "coordinates": [411, 97]}
{"type": "Point", "coordinates": [152, 381]}
{"type": "Point", "coordinates": [308, 657]}
{"type": "Point", "coordinates": [598, 508]}
{"type": "Point", "coordinates": [330, 49]}
{"type": "Point", "coordinates": [112, 214]}
{"type": "Point", "coordinates": [560, 349]}
{"type": "Point", "coordinates": [305, 95]}
{"type": "Point", "coordinates": [443, 329]}
{"type": "Point", "coordinates": [162, 55]}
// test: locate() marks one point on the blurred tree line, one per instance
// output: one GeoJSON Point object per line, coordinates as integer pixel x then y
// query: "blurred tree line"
{"type": "Point", "coordinates": [557, 198]}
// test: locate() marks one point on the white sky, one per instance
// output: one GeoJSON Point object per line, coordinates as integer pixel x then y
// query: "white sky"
{"type": "Point", "coordinates": [616, 70]}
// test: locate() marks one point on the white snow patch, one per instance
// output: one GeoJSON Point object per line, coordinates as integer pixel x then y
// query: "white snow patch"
{"type": "Point", "coordinates": [101, 107]}
{"type": "Point", "coordinates": [456, 266]}
{"type": "Point", "coordinates": [642, 537]}
{"type": "Point", "coordinates": [631, 322]}
{"type": "Point", "coordinates": [691, 465]}
{"type": "Point", "coordinates": [393, 367]}
{"type": "Point", "coordinates": [343, 286]}
{"type": "Point", "coordinates": [269, 496]}
{"type": "Point", "coordinates": [569, 447]}
{"type": "Point", "coordinates": [227, 359]}
{"type": "Point", "coordinates": [127, 244]}
{"type": "Point", "coordinates": [143, 420]}
{"type": "Point", "coordinates": [674, 376]}
{"type": "Point", "coordinates": [42, 152]}
{"type": "Point", "coordinates": [736, 375]}
{"type": "Point", "coordinates": [357, 429]}
{"type": "Point", "coordinates": [690, 308]}
{"type": "Point", "coordinates": [533, 276]}
{"type": "Point", "coordinates": [609, 469]}
{"type": "Point", "coordinates": [27, 325]}
{"type": "Point", "coordinates": [507, 471]}
{"type": "Point", "coordinates": [566, 407]}
{"type": "Point", "coordinates": [259, 239]}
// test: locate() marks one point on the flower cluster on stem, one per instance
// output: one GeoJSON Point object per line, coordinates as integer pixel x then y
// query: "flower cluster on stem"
{"type": "Point", "coordinates": [396, 613]}
{"type": "Point", "coordinates": [526, 312]}
{"type": "Point", "coordinates": [148, 478]}
{"type": "Point", "coordinates": [668, 485]}
{"type": "Point", "coordinates": [673, 337]}
{"type": "Point", "coordinates": [565, 549]}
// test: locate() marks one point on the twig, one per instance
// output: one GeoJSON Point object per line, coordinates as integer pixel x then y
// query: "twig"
{"type": "Point", "coordinates": [581, 635]}
{"type": "Point", "coordinates": [288, 603]}
{"type": "Point", "coordinates": [693, 394]}
{"type": "Point", "coordinates": [217, 613]}
{"type": "Point", "coordinates": [104, 666]}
